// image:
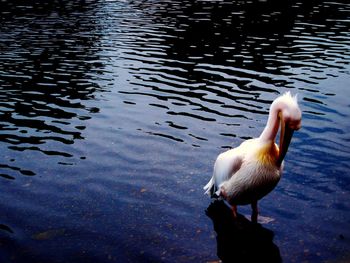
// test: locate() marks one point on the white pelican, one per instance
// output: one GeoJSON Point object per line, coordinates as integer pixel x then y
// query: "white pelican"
{"type": "Point", "coordinates": [247, 173]}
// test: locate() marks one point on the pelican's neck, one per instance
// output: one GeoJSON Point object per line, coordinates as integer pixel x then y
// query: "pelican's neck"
{"type": "Point", "coordinates": [270, 131]}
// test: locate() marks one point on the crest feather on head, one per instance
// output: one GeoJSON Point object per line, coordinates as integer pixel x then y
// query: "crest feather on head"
{"type": "Point", "coordinates": [288, 98]}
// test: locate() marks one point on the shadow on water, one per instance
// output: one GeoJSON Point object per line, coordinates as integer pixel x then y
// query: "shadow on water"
{"type": "Point", "coordinates": [203, 67]}
{"type": "Point", "coordinates": [239, 240]}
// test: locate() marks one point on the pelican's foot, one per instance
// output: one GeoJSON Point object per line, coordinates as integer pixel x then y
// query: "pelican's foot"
{"type": "Point", "coordinates": [223, 194]}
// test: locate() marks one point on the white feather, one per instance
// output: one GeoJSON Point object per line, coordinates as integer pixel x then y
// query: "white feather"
{"type": "Point", "coordinates": [245, 174]}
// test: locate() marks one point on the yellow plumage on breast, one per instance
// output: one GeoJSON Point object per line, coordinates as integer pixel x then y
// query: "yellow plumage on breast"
{"type": "Point", "coordinates": [258, 174]}
{"type": "Point", "coordinates": [268, 154]}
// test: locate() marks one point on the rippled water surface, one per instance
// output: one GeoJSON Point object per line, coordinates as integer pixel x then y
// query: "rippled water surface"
{"type": "Point", "coordinates": [112, 114]}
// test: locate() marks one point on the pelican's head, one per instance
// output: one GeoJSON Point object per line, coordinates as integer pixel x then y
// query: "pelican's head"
{"type": "Point", "coordinates": [289, 115]}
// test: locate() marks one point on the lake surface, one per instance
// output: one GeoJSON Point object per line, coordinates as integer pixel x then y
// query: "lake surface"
{"type": "Point", "coordinates": [113, 113]}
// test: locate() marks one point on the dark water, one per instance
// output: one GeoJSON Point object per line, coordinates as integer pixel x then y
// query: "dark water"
{"type": "Point", "coordinates": [113, 112]}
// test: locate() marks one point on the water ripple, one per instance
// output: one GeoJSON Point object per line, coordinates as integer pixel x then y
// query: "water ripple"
{"type": "Point", "coordinates": [112, 113]}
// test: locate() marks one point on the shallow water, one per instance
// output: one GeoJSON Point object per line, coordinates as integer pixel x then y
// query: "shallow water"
{"type": "Point", "coordinates": [113, 112]}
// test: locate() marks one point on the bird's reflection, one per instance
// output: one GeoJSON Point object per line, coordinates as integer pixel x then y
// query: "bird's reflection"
{"type": "Point", "coordinates": [239, 240]}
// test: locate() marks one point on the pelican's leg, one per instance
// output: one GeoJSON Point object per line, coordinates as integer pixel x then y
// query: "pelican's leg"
{"type": "Point", "coordinates": [234, 211]}
{"type": "Point", "coordinates": [233, 207]}
{"type": "Point", "coordinates": [255, 212]}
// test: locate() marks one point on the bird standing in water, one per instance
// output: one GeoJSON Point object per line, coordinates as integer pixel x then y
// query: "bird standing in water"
{"type": "Point", "coordinates": [247, 173]}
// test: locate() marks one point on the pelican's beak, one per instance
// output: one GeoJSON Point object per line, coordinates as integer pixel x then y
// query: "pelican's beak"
{"type": "Point", "coordinates": [285, 138]}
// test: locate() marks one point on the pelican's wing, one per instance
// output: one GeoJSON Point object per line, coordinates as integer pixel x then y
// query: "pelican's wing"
{"type": "Point", "coordinates": [227, 164]}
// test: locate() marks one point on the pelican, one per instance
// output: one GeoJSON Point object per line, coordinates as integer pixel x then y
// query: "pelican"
{"type": "Point", "coordinates": [247, 173]}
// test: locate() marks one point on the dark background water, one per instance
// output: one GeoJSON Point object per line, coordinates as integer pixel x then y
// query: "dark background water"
{"type": "Point", "coordinates": [112, 114]}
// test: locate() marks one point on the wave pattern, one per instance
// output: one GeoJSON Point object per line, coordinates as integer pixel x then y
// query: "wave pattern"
{"type": "Point", "coordinates": [112, 113]}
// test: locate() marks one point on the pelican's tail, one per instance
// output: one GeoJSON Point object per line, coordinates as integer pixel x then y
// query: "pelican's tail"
{"type": "Point", "coordinates": [210, 187]}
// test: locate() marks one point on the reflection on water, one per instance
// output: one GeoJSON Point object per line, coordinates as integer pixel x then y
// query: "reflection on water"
{"type": "Point", "coordinates": [239, 240]}
{"type": "Point", "coordinates": [112, 113]}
